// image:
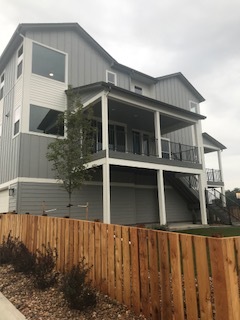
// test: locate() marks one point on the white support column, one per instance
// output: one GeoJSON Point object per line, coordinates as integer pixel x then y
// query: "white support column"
{"type": "Point", "coordinates": [158, 134]}
{"type": "Point", "coordinates": [161, 198]}
{"type": "Point", "coordinates": [106, 166]}
{"type": "Point", "coordinates": [105, 124]}
{"type": "Point", "coordinates": [106, 193]}
{"type": "Point", "coordinates": [221, 171]}
{"type": "Point", "coordinates": [202, 198]}
{"type": "Point", "coordinates": [199, 142]}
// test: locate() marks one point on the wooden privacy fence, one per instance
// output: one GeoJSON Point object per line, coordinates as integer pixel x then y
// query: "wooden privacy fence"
{"type": "Point", "coordinates": [161, 274]}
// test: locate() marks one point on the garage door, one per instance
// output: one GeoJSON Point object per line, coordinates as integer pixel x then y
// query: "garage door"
{"type": "Point", "coordinates": [4, 201]}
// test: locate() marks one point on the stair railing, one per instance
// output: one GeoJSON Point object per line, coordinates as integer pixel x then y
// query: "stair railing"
{"type": "Point", "coordinates": [220, 200]}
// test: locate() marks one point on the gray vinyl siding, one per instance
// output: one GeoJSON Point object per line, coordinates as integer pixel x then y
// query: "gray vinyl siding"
{"type": "Point", "coordinates": [33, 161]}
{"type": "Point", "coordinates": [176, 207]}
{"type": "Point", "coordinates": [183, 136]}
{"type": "Point", "coordinates": [9, 146]}
{"type": "Point", "coordinates": [133, 205]}
{"type": "Point", "coordinates": [13, 199]}
{"type": "Point", "coordinates": [174, 92]}
{"type": "Point", "coordinates": [32, 195]}
{"type": "Point", "coordinates": [147, 206]}
{"type": "Point", "coordinates": [123, 205]}
{"type": "Point", "coordinates": [85, 64]}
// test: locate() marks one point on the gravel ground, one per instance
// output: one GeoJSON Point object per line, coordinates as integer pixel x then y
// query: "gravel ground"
{"type": "Point", "coordinates": [50, 305]}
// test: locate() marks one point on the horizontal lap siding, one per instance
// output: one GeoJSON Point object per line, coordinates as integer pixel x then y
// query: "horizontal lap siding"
{"type": "Point", "coordinates": [176, 207]}
{"type": "Point", "coordinates": [147, 205]}
{"type": "Point", "coordinates": [32, 195]}
{"type": "Point", "coordinates": [130, 205]}
{"type": "Point", "coordinates": [123, 208]}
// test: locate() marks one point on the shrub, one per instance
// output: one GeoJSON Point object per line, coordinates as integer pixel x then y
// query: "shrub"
{"type": "Point", "coordinates": [6, 249]}
{"type": "Point", "coordinates": [76, 289]}
{"type": "Point", "coordinates": [44, 273]}
{"type": "Point", "coordinates": [23, 260]}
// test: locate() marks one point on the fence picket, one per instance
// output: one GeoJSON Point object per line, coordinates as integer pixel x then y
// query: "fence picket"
{"type": "Point", "coordinates": [111, 261]}
{"type": "Point", "coordinates": [155, 272]}
{"type": "Point", "coordinates": [135, 271]}
{"type": "Point", "coordinates": [189, 277]}
{"type": "Point", "coordinates": [144, 274]}
{"type": "Point", "coordinates": [165, 281]}
{"type": "Point", "coordinates": [104, 258]}
{"type": "Point", "coordinates": [202, 269]}
{"type": "Point", "coordinates": [126, 267]}
{"type": "Point", "coordinates": [154, 275]}
{"type": "Point", "coordinates": [176, 276]}
{"type": "Point", "coordinates": [118, 263]}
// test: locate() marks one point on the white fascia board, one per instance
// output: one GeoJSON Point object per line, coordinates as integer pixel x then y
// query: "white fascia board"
{"type": "Point", "coordinates": [154, 166]}
{"type": "Point", "coordinates": [93, 99]}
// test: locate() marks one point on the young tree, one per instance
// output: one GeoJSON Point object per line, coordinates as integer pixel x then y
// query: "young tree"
{"type": "Point", "coordinates": [69, 154]}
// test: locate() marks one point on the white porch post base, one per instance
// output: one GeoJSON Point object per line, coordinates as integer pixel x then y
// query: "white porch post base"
{"type": "Point", "coordinates": [161, 198]}
{"type": "Point", "coordinates": [202, 200]}
{"type": "Point", "coordinates": [106, 193]}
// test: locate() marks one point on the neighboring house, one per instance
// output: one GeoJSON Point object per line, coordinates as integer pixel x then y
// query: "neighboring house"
{"type": "Point", "coordinates": [149, 144]}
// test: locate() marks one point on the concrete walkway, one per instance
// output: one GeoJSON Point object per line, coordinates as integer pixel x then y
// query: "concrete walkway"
{"type": "Point", "coordinates": [8, 311]}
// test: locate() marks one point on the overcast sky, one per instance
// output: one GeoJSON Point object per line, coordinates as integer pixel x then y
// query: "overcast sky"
{"type": "Point", "coordinates": [201, 39]}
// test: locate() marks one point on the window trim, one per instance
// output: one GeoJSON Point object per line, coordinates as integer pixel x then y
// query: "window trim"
{"type": "Point", "coordinates": [196, 106]}
{"type": "Point", "coordinates": [138, 89]}
{"type": "Point", "coordinates": [108, 72]}
{"type": "Point", "coordinates": [169, 145]}
{"type": "Point", "coordinates": [42, 134]}
{"type": "Point", "coordinates": [19, 61]}
{"type": "Point", "coordinates": [16, 120]}
{"type": "Point", "coordinates": [56, 50]}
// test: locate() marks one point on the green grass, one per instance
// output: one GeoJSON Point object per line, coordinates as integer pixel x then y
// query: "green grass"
{"type": "Point", "coordinates": [211, 231]}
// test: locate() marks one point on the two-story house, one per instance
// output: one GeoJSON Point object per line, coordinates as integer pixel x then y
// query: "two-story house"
{"type": "Point", "coordinates": [149, 145]}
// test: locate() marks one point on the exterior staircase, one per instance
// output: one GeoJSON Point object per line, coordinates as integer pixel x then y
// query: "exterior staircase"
{"type": "Point", "coordinates": [218, 212]}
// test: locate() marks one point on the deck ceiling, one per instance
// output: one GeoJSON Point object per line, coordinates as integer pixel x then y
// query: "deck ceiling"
{"type": "Point", "coordinates": [139, 118]}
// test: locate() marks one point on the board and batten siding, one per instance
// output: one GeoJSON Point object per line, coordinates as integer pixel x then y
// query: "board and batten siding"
{"type": "Point", "coordinates": [85, 64]}
{"type": "Point", "coordinates": [33, 161]}
{"type": "Point", "coordinates": [9, 145]}
{"type": "Point", "coordinates": [174, 92]}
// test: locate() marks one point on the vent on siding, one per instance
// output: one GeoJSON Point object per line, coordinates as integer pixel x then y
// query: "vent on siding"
{"type": "Point", "coordinates": [111, 77]}
{"type": "Point", "coordinates": [193, 106]}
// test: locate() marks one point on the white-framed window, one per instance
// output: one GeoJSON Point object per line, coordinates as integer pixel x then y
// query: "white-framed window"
{"type": "Point", "coordinates": [49, 63]}
{"type": "Point", "coordinates": [111, 77]}
{"type": "Point", "coordinates": [166, 148]}
{"type": "Point", "coordinates": [1, 85]}
{"type": "Point", "coordinates": [193, 106]}
{"type": "Point", "coordinates": [16, 124]}
{"type": "Point", "coordinates": [20, 61]}
{"type": "Point", "coordinates": [138, 90]}
{"type": "Point", "coordinates": [46, 121]}
{"type": "Point", "coordinates": [141, 142]}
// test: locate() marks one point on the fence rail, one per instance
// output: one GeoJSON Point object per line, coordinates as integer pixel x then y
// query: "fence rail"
{"type": "Point", "coordinates": [161, 274]}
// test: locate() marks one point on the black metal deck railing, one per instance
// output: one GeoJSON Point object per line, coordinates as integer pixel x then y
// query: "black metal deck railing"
{"type": "Point", "coordinates": [214, 175]}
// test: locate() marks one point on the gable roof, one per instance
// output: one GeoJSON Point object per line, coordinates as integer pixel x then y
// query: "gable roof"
{"type": "Point", "coordinates": [184, 80]}
{"type": "Point", "coordinates": [23, 28]}
{"type": "Point", "coordinates": [210, 144]}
